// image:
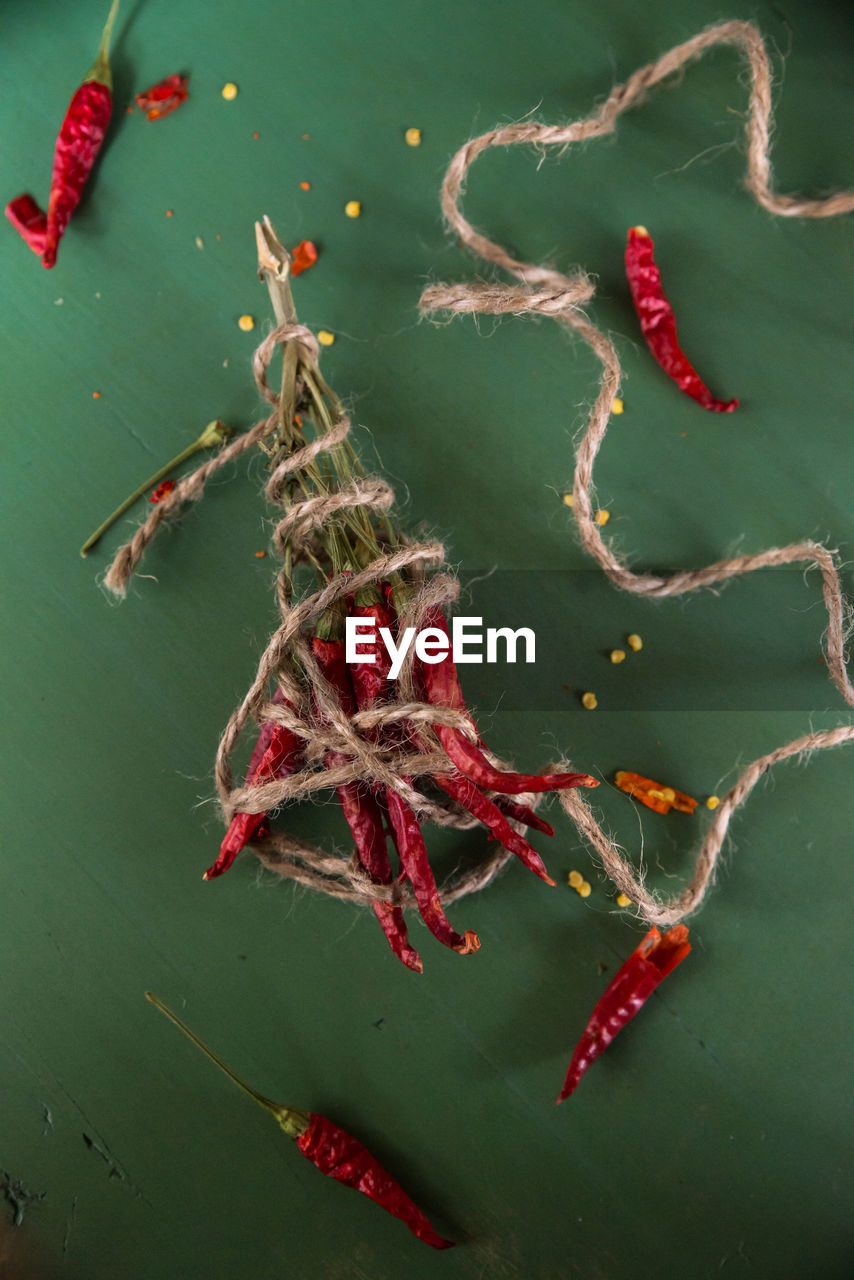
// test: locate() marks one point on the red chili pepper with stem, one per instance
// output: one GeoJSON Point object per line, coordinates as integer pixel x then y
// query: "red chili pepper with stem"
{"type": "Point", "coordinates": [658, 323]}
{"type": "Point", "coordinates": [625, 996]}
{"type": "Point", "coordinates": [335, 1152]}
{"type": "Point", "coordinates": [276, 754]}
{"type": "Point", "coordinates": [361, 810]}
{"type": "Point", "coordinates": [77, 147]}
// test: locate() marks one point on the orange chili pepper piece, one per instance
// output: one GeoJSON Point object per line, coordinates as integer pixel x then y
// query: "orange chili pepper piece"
{"type": "Point", "coordinates": [653, 794]}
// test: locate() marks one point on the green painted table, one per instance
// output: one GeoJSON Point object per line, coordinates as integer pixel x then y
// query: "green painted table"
{"type": "Point", "coordinates": [715, 1135]}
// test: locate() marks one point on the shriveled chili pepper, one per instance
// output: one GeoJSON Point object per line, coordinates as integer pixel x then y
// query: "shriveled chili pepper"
{"type": "Point", "coordinates": [29, 220]}
{"type": "Point", "coordinates": [441, 687]}
{"type": "Point", "coordinates": [630, 988]}
{"type": "Point", "coordinates": [335, 1152]}
{"type": "Point", "coordinates": [77, 147]}
{"type": "Point", "coordinates": [282, 750]}
{"type": "Point", "coordinates": [481, 807]}
{"type": "Point", "coordinates": [362, 811]}
{"type": "Point", "coordinates": [163, 97]}
{"type": "Point", "coordinates": [658, 322]}
{"type": "Point", "coordinates": [655, 796]}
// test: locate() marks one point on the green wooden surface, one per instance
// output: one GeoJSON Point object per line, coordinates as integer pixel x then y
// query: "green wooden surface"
{"type": "Point", "coordinates": [714, 1137]}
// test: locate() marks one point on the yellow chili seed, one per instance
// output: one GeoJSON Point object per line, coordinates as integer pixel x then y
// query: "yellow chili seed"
{"type": "Point", "coordinates": [230, 91]}
{"type": "Point", "coordinates": [617, 405]}
{"type": "Point", "coordinates": [589, 701]}
{"type": "Point", "coordinates": [352, 208]}
{"type": "Point", "coordinates": [641, 231]}
{"type": "Point", "coordinates": [246, 323]}
{"type": "Point", "coordinates": [634, 642]}
{"type": "Point", "coordinates": [568, 500]}
{"type": "Point", "coordinates": [712, 802]}
{"type": "Point", "coordinates": [325, 338]}
{"type": "Point", "coordinates": [584, 889]}
{"type": "Point", "coordinates": [623, 900]}
{"type": "Point", "coordinates": [575, 879]}
{"type": "Point", "coordinates": [413, 137]}
{"type": "Point", "coordinates": [602, 517]}
{"type": "Point", "coordinates": [618, 655]}
{"type": "Point", "coordinates": [668, 795]}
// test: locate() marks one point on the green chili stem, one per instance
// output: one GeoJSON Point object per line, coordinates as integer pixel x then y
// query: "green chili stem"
{"type": "Point", "coordinates": [214, 433]}
{"type": "Point", "coordinates": [100, 71]}
{"type": "Point", "coordinates": [286, 1116]}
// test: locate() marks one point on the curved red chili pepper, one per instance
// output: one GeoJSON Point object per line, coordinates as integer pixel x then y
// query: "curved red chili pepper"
{"type": "Point", "coordinates": [441, 687]}
{"type": "Point", "coordinates": [361, 809]}
{"type": "Point", "coordinates": [522, 813]}
{"type": "Point", "coordinates": [276, 754]}
{"type": "Point", "coordinates": [625, 995]}
{"type": "Point", "coordinates": [466, 793]}
{"type": "Point", "coordinates": [658, 322]}
{"type": "Point", "coordinates": [344, 1158]}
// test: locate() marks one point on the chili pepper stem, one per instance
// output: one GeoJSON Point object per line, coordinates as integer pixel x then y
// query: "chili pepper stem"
{"type": "Point", "coordinates": [214, 433]}
{"type": "Point", "coordinates": [100, 71]}
{"type": "Point", "coordinates": [293, 1121]}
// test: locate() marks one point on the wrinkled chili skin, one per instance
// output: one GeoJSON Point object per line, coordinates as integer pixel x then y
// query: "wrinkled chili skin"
{"type": "Point", "coordinates": [658, 323]}
{"type": "Point", "coordinates": [163, 97]}
{"type": "Point", "coordinates": [77, 147]}
{"type": "Point", "coordinates": [344, 1158]}
{"type": "Point", "coordinates": [29, 220]}
{"type": "Point", "coordinates": [625, 996]}
{"type": "Point", "coordinates": [481, 807]}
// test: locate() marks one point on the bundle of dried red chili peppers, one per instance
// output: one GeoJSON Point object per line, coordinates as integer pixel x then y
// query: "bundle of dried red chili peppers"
{"type": "Point", "coordinates": [370, 734]}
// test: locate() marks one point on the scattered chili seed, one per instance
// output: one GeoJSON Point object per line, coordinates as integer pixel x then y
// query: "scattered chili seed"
{"type": "Point", "coordinates": [413, 137]}
{"type": "Point", "coordinates": [712, 802]}
{"type": "Point", "coordinates": [568, 500]}
{"type": "Point", "coordinates": [602, 517]}
{"type": "Point", "coordinates": [230, 91]}
{"type": "Point", "coordinates": [96, 395]}
{"type": "Point", "coordinates": [256, 136]}
{"type": "Point", "coordinates": [584, 889]}
{"type": "Point", "coordinates": [655, 796]}
{"type": "Point", "coordinates": [260, 555]}
{"type": "Point", "coordinates": [658, 324]}
{"type": "Point", "coordinates": [353, 208]}
{"type": "Point", "coordinates": [306, 186]}
{"type": "Point", "coordinates": [163, 97]}
{"type": "Point", "coordinates": [325, 338]}
{"type": "Point", "coordinates": [589, 701]}
{"type": "Point", "coordinates": [623, 900]}
{"type": "Point", "coordinates": [575, 879]}
{"type": "Point", "coordinates": [200, 244]}
{"type": "Point", "coordinates": [617, 405]}
{"type": "Point", "coordinates": [246, 323]}
{"type": "Point", "coordinates": [618, 655]}
{"type": "Point", "coordinates": [634, 642]}
{"type": "Point", "coordinates": [168, 213]}
{"type": "Point", "coordinates": [305, 137]}
{"type": "Point", "coordinates": [162, 491]}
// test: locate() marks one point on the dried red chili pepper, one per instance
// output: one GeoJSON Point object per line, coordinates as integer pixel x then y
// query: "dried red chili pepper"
{"type": "Point", "coordinates": [630, 988]}
{"type": "Point", "coordinates": [481, 807]}
{"type": "Point", "coordinates": [303, 257]}
{"type": "Point", "coordinates": [29, 220]}
{"type": "Point", "coordinates": [361, 810]}
{"type": "Point", "coordinates": [276, 754]}
{"type": "Point", "coordinates": [658, 322]}
{"type": "Point", "coordinates": [163, 97]}
{"type": "Point", "coordinates": [440, 684]}
{"type": "Point", "coordinates": [333, 1151]}
{"type": "Point", "coordinates": [162, 491]}
{"type": "Point", "coordinates": [77, 146]}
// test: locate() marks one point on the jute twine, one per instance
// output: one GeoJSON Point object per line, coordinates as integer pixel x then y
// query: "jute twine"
{"type": "Point", "coordinates": [311, 708]}
{"type": "Point", "coordinates": [544, 291]}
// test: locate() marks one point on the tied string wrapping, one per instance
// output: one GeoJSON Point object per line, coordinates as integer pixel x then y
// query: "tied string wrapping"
{"type": "Point", "coordinates": [313, 710]}
{"type": "Point", "coordinates": [544, 291]}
